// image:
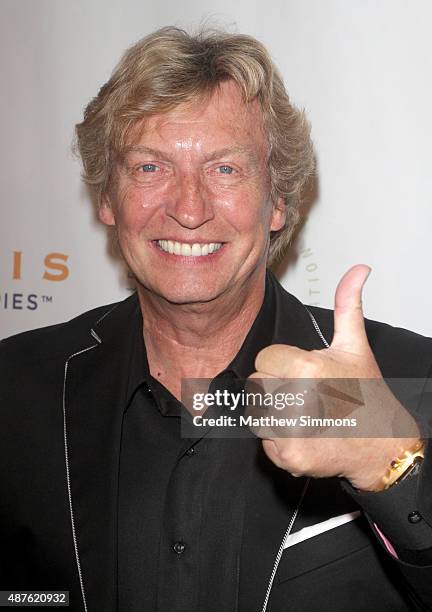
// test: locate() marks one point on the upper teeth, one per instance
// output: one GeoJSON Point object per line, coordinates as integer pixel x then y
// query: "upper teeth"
{"type": "Point", "coordinates": [188, 250]}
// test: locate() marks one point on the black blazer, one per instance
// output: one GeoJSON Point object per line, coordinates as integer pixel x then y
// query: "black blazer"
{"type": "Point", "coordinates": [61, 388]}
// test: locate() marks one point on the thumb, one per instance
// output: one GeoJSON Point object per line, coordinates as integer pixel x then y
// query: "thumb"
{"type": "Point", "coordinates": [349, 329]}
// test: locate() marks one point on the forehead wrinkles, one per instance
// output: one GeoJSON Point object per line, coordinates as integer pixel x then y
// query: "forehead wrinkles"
{"type": "Point", "coordinates": [222, 114]}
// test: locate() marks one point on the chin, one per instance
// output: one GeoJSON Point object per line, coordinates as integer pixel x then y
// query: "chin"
{"type": "Point", "coordinates": [182, 293]}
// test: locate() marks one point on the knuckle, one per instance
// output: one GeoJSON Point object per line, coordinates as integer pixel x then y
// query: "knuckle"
{"type": "Point", "coordinates": [269, 354]}
{"type": "Point", "coordinates": [292, 459]}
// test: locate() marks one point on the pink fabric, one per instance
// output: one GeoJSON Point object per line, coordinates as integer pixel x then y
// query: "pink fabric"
{"type": "Point", "coordinates": [386, 543]}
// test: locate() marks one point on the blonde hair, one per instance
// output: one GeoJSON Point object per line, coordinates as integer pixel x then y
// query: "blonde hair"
{"type": "Point", "coordinates": [169, 67]}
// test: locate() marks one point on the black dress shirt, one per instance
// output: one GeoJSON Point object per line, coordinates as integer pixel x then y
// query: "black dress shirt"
{"type": "Point", "coordinates": [180, 500]}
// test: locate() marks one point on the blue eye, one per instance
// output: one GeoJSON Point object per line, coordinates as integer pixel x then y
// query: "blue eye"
{"type": "Point", "coordinates": [226, 169]}
{"type": "Point", "coordinates": [149, 168]}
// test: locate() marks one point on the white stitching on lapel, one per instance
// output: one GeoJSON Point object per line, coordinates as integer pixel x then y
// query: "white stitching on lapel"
{"type": "Point", "coordinates": [75, 541]}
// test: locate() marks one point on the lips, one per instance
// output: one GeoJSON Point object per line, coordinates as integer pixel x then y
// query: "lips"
{"type": "Point", "coordinates": [188, 250]}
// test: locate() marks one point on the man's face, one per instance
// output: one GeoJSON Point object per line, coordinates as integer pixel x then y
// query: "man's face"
{"type": "Point", "coordinates": [191, 200]}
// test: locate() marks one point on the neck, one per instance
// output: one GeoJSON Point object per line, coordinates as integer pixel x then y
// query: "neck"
{"type": "Point", "coordinates": [196, 340]}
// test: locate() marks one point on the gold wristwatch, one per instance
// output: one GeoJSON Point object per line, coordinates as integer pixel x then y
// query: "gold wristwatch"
{"type": "Point", "coordinates": [402, 467]}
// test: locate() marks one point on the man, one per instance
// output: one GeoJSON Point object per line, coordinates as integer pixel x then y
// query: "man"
{"type": "Point", "coordinates": [197, 159]}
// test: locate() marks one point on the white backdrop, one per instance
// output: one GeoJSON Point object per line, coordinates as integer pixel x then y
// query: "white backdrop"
{"type": "Point", "coordinates": [361, 69]}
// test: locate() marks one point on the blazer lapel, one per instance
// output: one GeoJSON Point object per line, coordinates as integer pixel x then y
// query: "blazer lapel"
{"type": "Point", "coordinates": [94, 400]}
{"type": "Point", "coordinates": [272, 498]}
{"type": "Point", "coordinates": [273, 493]}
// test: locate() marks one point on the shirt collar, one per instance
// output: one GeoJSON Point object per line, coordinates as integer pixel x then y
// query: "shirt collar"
{"type": "Point", "coordinates": [260, 335]}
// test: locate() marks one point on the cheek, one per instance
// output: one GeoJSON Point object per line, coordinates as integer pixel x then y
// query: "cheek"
{"type": "Point", "coordinates": [248, 210]}
{"type": "Point", "coordinates": [136, 207]}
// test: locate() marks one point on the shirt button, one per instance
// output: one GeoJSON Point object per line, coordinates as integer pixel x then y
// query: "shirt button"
{"type": "Point", "coordinates": [414, 517]}
{"type": "Point", "coordinates": [190, 451]}
{"type": "Point", "coordinates": [179, 547]}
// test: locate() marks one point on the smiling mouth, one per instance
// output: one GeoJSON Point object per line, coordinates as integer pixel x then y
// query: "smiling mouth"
{"type": "Point", "coordinates": [188, 250]}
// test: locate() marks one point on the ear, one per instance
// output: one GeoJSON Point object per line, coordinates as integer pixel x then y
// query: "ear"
{"type": "Point", "coordinates": [105, 212]}
{"type": "Point", "coordinates": [278, 215]}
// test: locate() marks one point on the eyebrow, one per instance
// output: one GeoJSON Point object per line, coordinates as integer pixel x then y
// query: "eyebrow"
{"type": "Point", "coordinates": [219, 153]}
{"type": "Point", "coordinates": [149, 150]}
{"type": "Point", "coordinates": [226, 152]}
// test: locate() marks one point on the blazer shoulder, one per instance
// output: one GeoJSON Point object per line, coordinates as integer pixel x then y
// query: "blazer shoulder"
{"type": "Point", "coordinates": [399, 351]}
{"type": "Point", "coordinates": [52, 341]}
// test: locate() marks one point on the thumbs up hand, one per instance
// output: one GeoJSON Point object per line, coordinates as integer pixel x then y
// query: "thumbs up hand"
{"type": "Point", "coordinates": [363, 461]}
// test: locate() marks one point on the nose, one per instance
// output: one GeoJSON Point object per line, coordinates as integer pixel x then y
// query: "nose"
{"type": "Point", "coordinates": [189, 204]}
